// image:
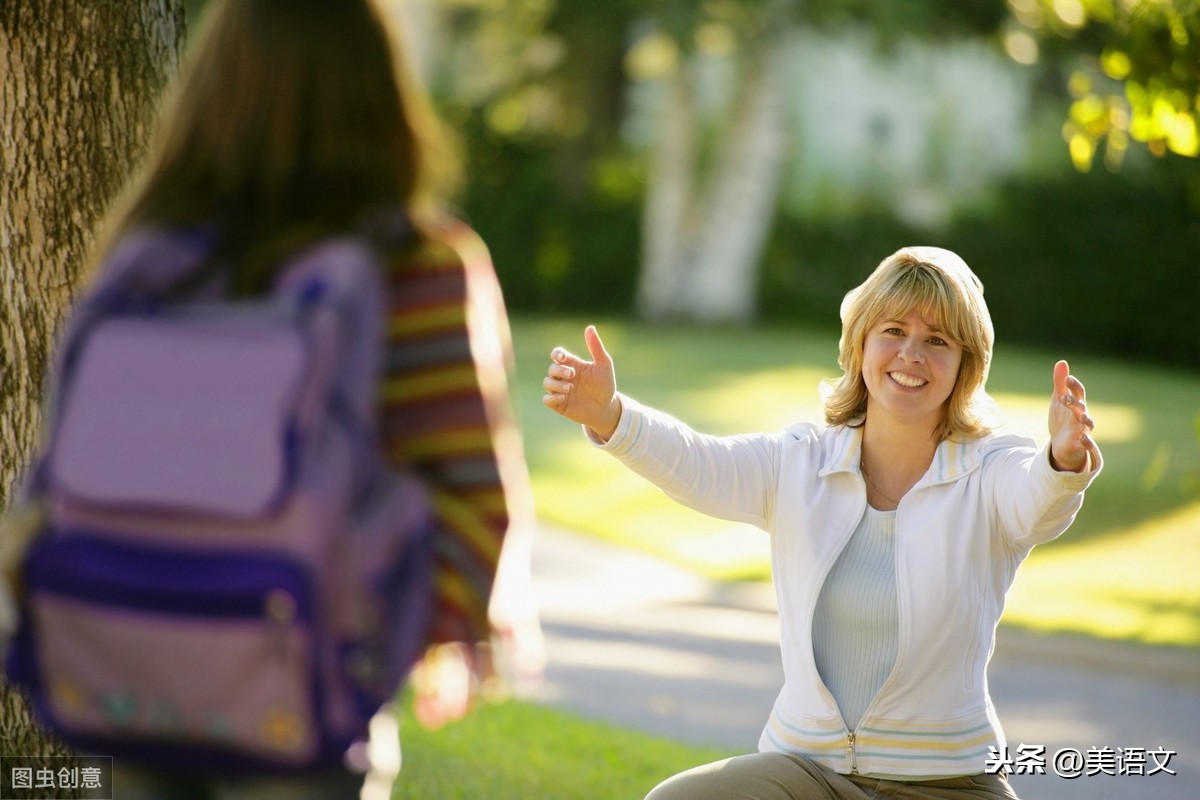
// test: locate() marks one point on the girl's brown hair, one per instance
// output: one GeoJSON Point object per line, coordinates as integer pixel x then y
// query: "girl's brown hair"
{"type": "Point", "coordinates": [291, 119]}
{"type": "Point", "coordinates": [939, 284]}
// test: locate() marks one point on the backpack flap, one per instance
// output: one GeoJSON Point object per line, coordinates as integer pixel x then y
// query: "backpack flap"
{"type": "Point", "coordinates": [183, 413]}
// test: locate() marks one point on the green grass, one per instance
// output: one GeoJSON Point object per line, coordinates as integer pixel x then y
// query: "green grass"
{"type": "Point", "coordinates": [519, 751]}
{"type": "Point", "coordinates": [1125, 570]}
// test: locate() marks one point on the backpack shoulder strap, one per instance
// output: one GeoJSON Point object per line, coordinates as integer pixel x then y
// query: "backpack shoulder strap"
{"type": "Point", "coordinates": [345, 275]}
{"type": "Point", "coordinates": [148, 262]}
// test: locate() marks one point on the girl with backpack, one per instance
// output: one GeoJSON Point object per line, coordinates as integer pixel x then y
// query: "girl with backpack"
{"type": "Point", "coordinates": [295, 123]}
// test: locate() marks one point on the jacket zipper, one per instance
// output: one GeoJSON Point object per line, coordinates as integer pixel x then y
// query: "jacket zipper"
{"type": "Point", "coordinates": [852, 755]}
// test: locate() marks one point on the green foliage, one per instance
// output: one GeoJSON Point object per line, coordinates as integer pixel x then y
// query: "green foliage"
{"type": "Point", "coordinates": [556, 189]}
{"type": "Point", "coordinates": [193, 10]}
{"type": "Point", "coordinates": [538, 90]}
{"type": "Point", "coordinates": [810, 264]}
{"type": "Point", "coordinates": [919, 18]}
{"type": "Point", "coordinates": [1092, 262]}
{"type": "Point", "coordinates": [553, 251]}
{"type": "Point", "coordinates": [535, 90]}
{"type": "Point", "coordinates": [1134, 71]}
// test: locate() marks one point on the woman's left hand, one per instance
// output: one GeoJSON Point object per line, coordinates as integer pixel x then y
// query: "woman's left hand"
{"type": "Point", "coordinates": [1070, 426]}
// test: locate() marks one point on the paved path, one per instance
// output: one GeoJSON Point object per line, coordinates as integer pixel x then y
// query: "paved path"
{"type": "Point", "coordinates": [637, 642]}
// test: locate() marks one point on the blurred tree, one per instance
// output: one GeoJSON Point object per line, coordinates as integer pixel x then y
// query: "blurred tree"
{"type": "Point", "coordinates": [716, 163]}
{"type": "Point", "coordinates": [536, 90]}
{"type": "Point", "coordinates": [595, 129]}
{"type": "Point", "coordinates": [1134, 71]}
{"type": "Point", "coordinates": [79, 82]}
{"type": "Point", "coordinates": [551, 82]}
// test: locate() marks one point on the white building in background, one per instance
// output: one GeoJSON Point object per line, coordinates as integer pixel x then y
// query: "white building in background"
{"type": "Point", "coordinates": [923, 128]}
{"type": "Point", "coordinates": [818, 124]}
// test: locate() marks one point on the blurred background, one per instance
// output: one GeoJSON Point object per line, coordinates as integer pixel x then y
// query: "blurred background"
{"type": "Point", "coordinates": [737, 161]}
{"type": "Point", "coordinates": [707, 179]}
{"type": "Point", "coordinates": [747, 161]}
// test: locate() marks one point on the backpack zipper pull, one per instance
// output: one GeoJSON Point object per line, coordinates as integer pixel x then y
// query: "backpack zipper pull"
{"type": "Point", "coordinates": [279, 607]}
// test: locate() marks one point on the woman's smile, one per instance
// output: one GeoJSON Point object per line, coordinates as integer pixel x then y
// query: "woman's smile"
{"type": "Point", "coordinates": [910, 366]}
{"type": "Point", "coordinates": [908, 381]}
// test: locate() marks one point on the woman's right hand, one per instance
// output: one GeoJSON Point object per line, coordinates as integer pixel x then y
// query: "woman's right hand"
{"type": "Point", "coordinates": [584, 391]}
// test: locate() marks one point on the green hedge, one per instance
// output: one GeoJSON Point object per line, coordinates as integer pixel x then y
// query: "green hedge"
{"type": "Point", "coordinates": [556, 250]}
{"type": "Point", "coordinates": [1098, 262]}
{"type": "Point", "coordinates": [1101, 262]}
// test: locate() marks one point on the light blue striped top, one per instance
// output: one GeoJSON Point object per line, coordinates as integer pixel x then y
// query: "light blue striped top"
{"type": "Point", "coordinates": [856, 626]}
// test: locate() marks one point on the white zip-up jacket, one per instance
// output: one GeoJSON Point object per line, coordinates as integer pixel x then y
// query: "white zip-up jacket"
{"type": "Point", "coordinates": [960, 534]}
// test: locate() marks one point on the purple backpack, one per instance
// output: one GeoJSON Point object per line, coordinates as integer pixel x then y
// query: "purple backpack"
{"type": "Point", "coordinates": [228, 577]}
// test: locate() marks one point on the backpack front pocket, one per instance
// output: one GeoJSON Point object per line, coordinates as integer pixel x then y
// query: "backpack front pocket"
{"type": "Point", "coordinates": [208, 653]}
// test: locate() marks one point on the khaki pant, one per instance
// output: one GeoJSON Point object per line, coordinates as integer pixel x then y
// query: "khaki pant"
{"type": "Point", "coordinates": [785, 776]}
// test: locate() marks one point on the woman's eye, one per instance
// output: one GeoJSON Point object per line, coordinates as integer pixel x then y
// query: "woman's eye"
{"type": "Point", "coordinates": [938, 340]}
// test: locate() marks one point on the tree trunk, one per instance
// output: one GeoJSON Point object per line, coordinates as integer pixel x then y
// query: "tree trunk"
{"type": "Point", "coordinates": [741, 202]}
{"type": "Point", "coordinates": [666, 226]}
{"type": "Point", "coordinates": [703, 234]}
{"type": "Point", "coordinates": [79, 84]}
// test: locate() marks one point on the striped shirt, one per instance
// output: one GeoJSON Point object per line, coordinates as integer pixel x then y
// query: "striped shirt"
{"type": "Point", "coordinates": [438, 408]}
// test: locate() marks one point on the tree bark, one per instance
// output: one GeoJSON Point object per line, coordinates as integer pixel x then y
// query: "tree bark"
{"type": "Point", "coordinates": [703, 232]}
{"type": "Point", "coordinates": [666, 223]}
{"type": "Point", "coordinates": [79, 85]}
{"type": "Point", "coordinates": [741, 203]}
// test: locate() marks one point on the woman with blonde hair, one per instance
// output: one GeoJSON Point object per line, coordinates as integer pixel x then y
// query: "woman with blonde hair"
{"type": "Point", "coordinates": [896, 529]}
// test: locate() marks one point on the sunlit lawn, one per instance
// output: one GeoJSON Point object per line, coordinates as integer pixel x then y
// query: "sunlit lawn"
{"type": "Point", "coordinates": [520, 751]}
{"type": "Point", "coordinates": [1126, 569]}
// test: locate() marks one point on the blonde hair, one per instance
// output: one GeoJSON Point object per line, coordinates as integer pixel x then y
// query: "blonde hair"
{"type": "Point", "coordinates": [935, 282]}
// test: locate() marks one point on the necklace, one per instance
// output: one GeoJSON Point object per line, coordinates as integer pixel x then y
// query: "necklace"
{"type": "Point", "coordinates": [862, 465]}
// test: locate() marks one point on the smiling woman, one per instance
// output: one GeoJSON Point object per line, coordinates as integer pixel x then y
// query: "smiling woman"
{"type": "Point", "coordinates": [915, 353]}
{"type": "Point", "coordinates": [908, 295]}
{"type": "Point", "coordinates": [896, 528]}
